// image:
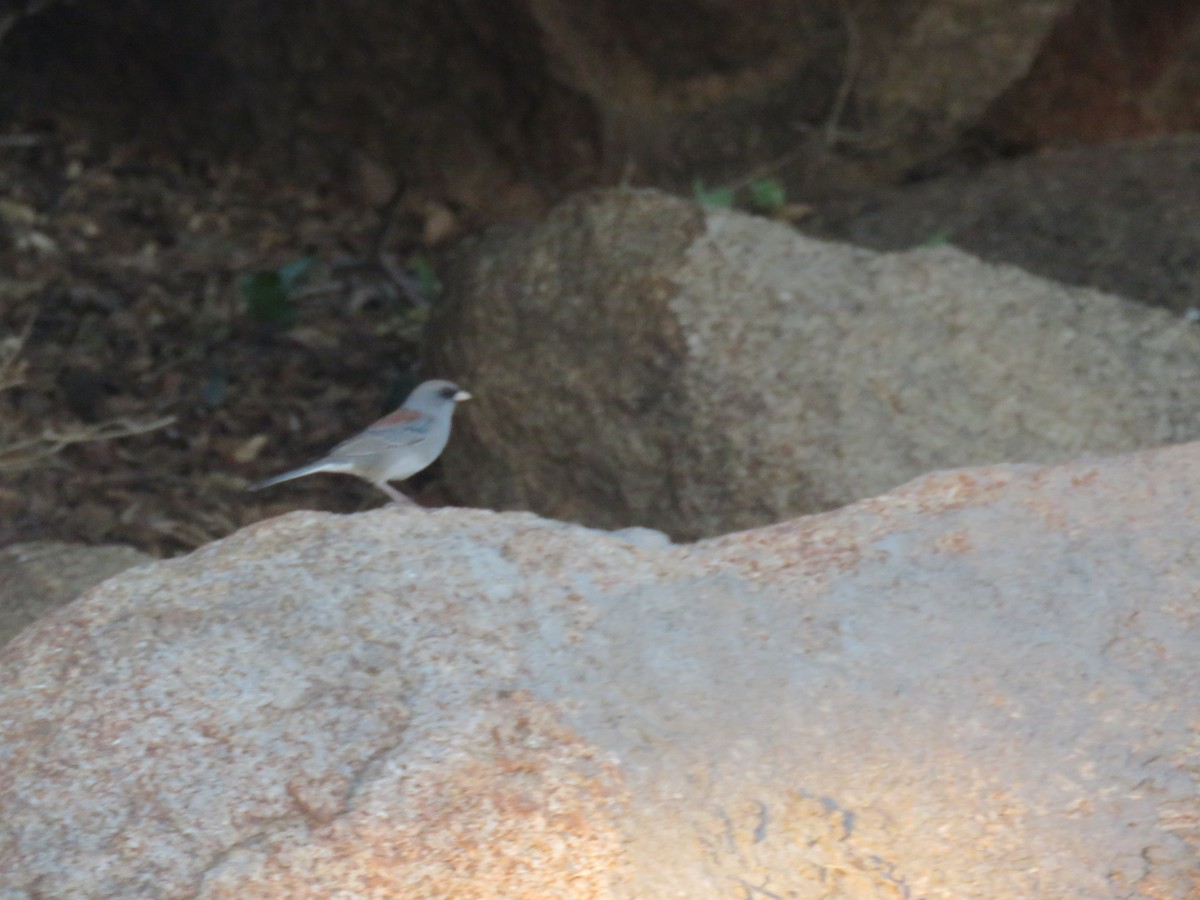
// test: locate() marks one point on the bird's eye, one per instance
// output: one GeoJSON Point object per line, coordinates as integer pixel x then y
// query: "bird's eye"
{"type": "Point", "coordinates": [448, 393]}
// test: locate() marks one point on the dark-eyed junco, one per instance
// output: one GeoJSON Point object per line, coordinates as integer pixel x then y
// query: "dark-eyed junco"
{"type": "Point", "coordinates": [398, 446]}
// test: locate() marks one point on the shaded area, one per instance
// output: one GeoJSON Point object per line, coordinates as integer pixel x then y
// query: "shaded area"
{"type": "Point", "coordinates": [153, 155]}
{"type": "Point", "coordinates": [122, 271]}
{"type": "Point", "coordinates": [1121, 217]}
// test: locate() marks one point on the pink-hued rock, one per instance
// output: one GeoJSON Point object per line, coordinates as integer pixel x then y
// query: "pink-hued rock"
{"type": "Point", "coordinates": [986, 683]}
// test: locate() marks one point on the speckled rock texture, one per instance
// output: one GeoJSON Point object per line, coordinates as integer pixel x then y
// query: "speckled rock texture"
{"type": "Point", "coordinates": [986, 684]}
{"type": "Point", "coordinates": [640, 360]}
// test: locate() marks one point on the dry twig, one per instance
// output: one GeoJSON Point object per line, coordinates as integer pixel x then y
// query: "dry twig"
{"type": "Point", "coordinates": [12, 367]}
{"type": "Point", "coordinates": [22, 453]}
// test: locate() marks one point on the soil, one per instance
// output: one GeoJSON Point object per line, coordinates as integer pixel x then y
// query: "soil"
{"type": "Point", "coordinates": [124, 310]}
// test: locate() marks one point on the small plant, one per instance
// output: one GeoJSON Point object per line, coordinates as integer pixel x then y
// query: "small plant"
{"type": "Point", "coordinates": [765, 196]}
{"type": "Point", "coordinates": [270, 294]}
{"type": "Point", "coordinates": [720, 197]}
{"type": "Point", "coordinates": [427, 280]}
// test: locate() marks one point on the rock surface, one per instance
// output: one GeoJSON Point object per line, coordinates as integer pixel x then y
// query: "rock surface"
{"type": "Point", "coordinates": [641, 361]}
{"type": "Point", "coordinates": [39, 576]}
{"type": "Point", "coordinates": [984, 684]}
{"type": "Point", "coordinates": [694, 81]}
{"type": "Point", "coordinates": [1107, 71]}
{"type": "Point", "coordinates": [468, 106]}
{"type": "Point", "coordinates": [1124, 217]}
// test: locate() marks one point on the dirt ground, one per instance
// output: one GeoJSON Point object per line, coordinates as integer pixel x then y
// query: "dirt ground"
{"type": "Point", "coordinates": [144, 383]}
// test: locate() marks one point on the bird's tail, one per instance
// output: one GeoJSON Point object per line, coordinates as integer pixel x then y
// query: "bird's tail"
{"type": "Point", "coordinates": [319, 466]}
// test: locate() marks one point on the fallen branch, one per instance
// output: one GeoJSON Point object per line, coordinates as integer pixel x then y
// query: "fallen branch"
{"type": "Point", "coordinates": [21, 454]}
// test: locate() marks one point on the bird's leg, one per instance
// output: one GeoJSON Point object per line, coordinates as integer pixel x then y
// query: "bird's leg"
{"type": "Point", "coordinates": [396, 496]}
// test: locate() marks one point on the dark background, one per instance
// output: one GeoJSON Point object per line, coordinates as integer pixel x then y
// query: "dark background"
{"type": "Point", "coordinates": [156, 155]}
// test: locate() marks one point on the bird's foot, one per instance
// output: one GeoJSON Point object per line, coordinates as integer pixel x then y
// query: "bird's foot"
{"type": "Point", "coordinates": [396, 496]}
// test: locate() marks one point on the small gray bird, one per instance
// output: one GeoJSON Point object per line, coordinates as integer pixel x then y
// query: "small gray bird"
{"type": "Point", "coordinates": [398, 446]}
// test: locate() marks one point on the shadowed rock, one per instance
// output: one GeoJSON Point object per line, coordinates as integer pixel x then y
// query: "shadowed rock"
{"type": "Point", "coordinates": [1121, 217]}
{"type": "Point", "coordinates": [40, 576]}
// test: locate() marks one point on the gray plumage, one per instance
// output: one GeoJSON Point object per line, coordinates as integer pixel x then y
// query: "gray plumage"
{"type": "Point", "coordinates": [398, 446]}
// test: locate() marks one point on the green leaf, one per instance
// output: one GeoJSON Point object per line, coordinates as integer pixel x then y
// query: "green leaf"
{"type": "Point", "coordinates": [422, 269]}
{"type": "Point", "coordinates": [266, 297]}
{"type": "Point", "coordinates": [292, 275]}
{"type": "Point", "coordinates": [719, 197]}
{"type": "Point", "coordinates": [767, 195]}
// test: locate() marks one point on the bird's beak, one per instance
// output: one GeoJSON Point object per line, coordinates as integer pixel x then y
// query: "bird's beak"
{"type": "Point", "coordinates": [461, 396]}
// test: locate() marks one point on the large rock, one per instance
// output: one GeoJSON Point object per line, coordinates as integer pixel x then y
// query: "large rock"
{"type": "Point", "coordinates": [1122, 217]}
{"type": "Point", "coordinates": [640, 360]}
{"type": "Point", "coordinates": [984, 685]}
{"type": "Point", "coordinates": [1107, 71]}
{"type": "Point", "coordinates": [691, 88]}
{"type": "Point", "coordinates": [467, 106]}
{"type": "Point", "coordinates": [39, 576]}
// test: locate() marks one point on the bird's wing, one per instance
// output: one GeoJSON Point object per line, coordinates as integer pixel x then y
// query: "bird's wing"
{"type": "Point", "coordinates": [392, 432]}
{"type": "Point", "coordinates": [402, 416]}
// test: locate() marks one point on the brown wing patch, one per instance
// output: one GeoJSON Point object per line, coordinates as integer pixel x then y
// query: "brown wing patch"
{"type": "Point", "coordinates": [401, 416]}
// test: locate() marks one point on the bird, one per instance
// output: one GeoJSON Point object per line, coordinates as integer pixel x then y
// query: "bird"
{"type": "Point", "coordinates": [398, 446]}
